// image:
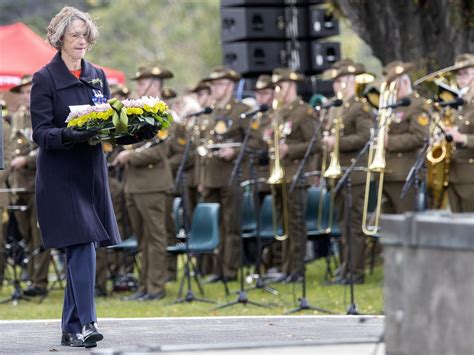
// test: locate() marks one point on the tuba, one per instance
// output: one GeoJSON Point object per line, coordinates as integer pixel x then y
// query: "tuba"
{"type": "Point", "coordinates": [277, 170]}
{"type": "Point", "coordinates": [376, 156]}
{"type": "Point", "coordinates": [439, 158]}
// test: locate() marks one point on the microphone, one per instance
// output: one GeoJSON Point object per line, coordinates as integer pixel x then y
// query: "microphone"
{"type": "Point", "coordinates": [335, 103]}
{"type": "Point", "coordinates": [207, 110]}
{"type": "Point", "coordinates": [454, 103]}
{"type": "Point", "coordinates": [403, 102]}
{"type": "Point", "coordinates": [261, 108]}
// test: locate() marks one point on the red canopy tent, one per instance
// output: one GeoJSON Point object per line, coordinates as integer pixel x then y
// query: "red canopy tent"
{"type": "Point", "coordinates": [24, 52]}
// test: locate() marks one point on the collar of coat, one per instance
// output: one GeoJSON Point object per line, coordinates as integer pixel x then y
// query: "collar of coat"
{"type": "Point", "coordinates": [63, 78]}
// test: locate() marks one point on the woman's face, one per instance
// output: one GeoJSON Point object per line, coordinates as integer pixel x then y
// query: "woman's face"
{"type": "Point", "coordinates": [75, 40]}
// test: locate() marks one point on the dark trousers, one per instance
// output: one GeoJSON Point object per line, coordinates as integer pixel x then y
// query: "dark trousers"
{"type": "Point", "coordinates": [229, 247]}
{"type": "Point", "coordinates": [357, 236]}
{"type": "Point", "coordinates": [79, 306]}
{"type": "Point", "coordinates": [461, 197]}
{"type": "Point", "coordinates": [294, 247]}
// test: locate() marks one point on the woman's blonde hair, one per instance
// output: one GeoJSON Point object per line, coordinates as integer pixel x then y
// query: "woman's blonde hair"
{"type": "Point", "coordinates": [59, 24]}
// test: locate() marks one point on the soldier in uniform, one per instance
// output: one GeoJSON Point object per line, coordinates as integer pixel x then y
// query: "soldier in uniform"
{"type": "Point", "coordinates": [461, 171]}
{"type": "Point", "coordinates": [259, 140]}
{"type": "Point", "coordinates": [4, 196]}
{"type": "Point", "coordinates": [224, 126]}
{"type": "Point", "coordinates": [108, 262]}
{"type": "Point", "coordinates": [353, 135]}
{"type": "Point", "coordinates": [23, 171]}
{"type": "Point", "coordinates": [148, 179]}
{"type": "Point", "coordinates": [296, 123]}
{"type": "Point", "coordinates": [406, 134]}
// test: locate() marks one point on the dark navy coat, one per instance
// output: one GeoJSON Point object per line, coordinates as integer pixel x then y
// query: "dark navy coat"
{"type": "Point", "coordinates": [72, 190]}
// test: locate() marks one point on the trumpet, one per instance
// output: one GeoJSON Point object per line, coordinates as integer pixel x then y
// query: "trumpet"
{"type": "Point", "coordinates": [376, 157]}
{"type": "Point", "coordinates": [332, 172]}
{"type": "Point", "coordinates": [277, 171]}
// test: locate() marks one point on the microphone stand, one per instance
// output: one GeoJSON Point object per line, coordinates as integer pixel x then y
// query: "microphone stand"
{"type": "Point", "coordinates": [298, 179]}
{"type": "Point", "coordinates": [345, 181]}
{"type": "Point", "coordinates": [413, 178]}
{"type": "Point", "coordinates": [180, 185]}
{"type": "Point", "coordinates": [242, 294]}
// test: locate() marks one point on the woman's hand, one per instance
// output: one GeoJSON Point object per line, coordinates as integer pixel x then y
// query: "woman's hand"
{"type": "Point", "coordinates": [71, 135]}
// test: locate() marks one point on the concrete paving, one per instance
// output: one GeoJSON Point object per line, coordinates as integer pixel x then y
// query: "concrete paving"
{"type": "Point", "coordinates": [206, 335]}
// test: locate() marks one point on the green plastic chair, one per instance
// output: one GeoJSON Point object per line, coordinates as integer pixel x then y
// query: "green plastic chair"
{"type": "Point", "coordinates": [248, 220]}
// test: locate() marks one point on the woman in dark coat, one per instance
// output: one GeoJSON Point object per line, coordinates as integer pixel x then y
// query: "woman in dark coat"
{"type": "Point", "coordinates": [73, 199]}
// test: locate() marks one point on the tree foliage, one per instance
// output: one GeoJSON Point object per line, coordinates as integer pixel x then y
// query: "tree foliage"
{"type": "Point", "coordinates": [430, 32]}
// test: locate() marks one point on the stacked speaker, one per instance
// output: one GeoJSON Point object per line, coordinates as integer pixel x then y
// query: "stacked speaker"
{"type": "Point", "coordinates": [260, 35]}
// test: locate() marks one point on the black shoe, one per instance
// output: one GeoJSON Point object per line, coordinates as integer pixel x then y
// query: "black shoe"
{"type": "Point", "coordinates": [72, 339]}
{"type": "Point", "coordinates": [228, 278]}
{"type": "Point", "coordinates": [91, 335]}
{"type": "Point", "coordinates": [281, 278]}
{"type": "Point", "coordinates": [34, 291]}
{"type": "Point", "coordinates": [294, 278]}
{"type": "Point", "coordinates": [153, 296]}
{"type": "Point", "coordinates": [355, 281]}
{"type": "Point", "coordinates": [135, 297]}
{"type": "Point", "coordinates": [213, 278]}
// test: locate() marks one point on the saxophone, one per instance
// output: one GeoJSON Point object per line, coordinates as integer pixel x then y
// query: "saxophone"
{"type": "Point", "coordinates": [439, 158]}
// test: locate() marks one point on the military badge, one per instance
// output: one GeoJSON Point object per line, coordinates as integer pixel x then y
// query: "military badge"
{"type": "Point", "coordinates": [181, 141]}
{"type": "Point", "coordinates": [255, 125]}
{"type": "Point", "coordinates": [220, 127]}
{"type": "Point", "coordinates": [423, 119]}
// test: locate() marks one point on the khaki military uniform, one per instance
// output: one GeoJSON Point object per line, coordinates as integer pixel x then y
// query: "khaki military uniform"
{"type": "Point", "coordinates": [297, 128]}
{"type": "Point", "coordinates": [461, 173]}
{"type": "Point", "coordinates": [407, 133]}
{"type": "Point", "coordinates": [354, 134]}
{"type": "Point", "coordinates": [3, 196]}
{"type": "Point", "coordinates": [23, 145]}
{"type": "Point", "coordinates": [258, 141]}
{"type": "Point", "coordinates": [147, 180]}
{"type": "Point", "coordinates": [225, 126]}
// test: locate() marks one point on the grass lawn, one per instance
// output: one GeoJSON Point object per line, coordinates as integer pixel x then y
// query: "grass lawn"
{"type": "Point", "coordinates": [369, 299]}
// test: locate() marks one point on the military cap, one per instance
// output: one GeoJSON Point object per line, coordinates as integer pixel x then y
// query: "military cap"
{"type": "Point", "coordinates": [264, 82]}
{"type": "Point", "coordinates": [119, 89]}
{"type": "Point", "coordinates": [25, 80]}
{"type": "Point", "coordinates": [342, 68]}
{"type": "Point", "coordinates": [221, 72]}
{"type": "Point", "coordinates": [168, 93]}
{"type": "Point", "coordinates": [152, 71]}
{"type": "Point", "coordinates": [465, 60]}
{"type": "Point", "coordinates": [201, 85]}
{"type": "Point", "coordinates": [397, 68]}
{"type": "Point", "coordinates": [286, 74]}
{"type": "Point", "coordinates": [462, 61]}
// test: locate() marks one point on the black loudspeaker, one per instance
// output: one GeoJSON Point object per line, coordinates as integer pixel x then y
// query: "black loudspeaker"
{"type": "Point", "coordinates": [323, 24]}
{"type": "Point", "coordinates": [324, 54]}
{"type": "Point", "coordinates": [247, 23]}
{"type": "Point", "coordinates": [250, 58]}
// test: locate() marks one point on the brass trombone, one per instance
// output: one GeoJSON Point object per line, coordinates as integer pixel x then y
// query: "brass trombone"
{"type": "Point", "coordinates": [277, 171]}
{"type": "Point", "coordinates": [376, 156]}
{"type": "Point", "coordinates": [332, 172]}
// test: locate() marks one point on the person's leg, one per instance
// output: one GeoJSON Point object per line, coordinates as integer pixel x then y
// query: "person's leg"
{"type": "Point", "coordinates": [81, 266]}
{"type": "Point", "coordinates": [152, 208]}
